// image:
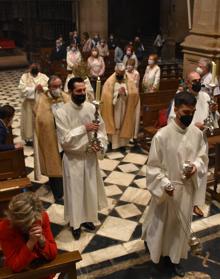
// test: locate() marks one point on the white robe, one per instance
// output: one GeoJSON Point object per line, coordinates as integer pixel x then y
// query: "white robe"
{"type": "Point", "coordinates": [119, 102]}
{"type": "Point", "coordinates": [27, 86]}
{"type": "Point", "coordinates": [84, 192]}
{"type": "Point", "coordinates": [162, 229]}
{"type": "Point", "coordinates": [201, 113]}
{"type": "Point", "coordinates": [206, 80]}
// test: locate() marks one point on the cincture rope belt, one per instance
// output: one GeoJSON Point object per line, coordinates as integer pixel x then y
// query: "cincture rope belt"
{"type": "Point", "coordinates": [194, 242]}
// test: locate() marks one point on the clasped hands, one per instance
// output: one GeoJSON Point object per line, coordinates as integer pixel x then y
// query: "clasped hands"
{"type": "Point", "coordinates": [35, 235]}
{"type": "Point", "coordinates": [169, 189]}
{"type": "Point", "coordinates": [122, 91]}
{"type": "Point", "coordinates": [39, 88]}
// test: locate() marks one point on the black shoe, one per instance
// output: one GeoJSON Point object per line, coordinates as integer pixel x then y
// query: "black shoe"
{"type": "Point", "coordinates": [109, 149]}
{"type": "Point", "coordinates": [29, 142]}
{"type": "Point", "coordinates": [59, 201]}
{"type": "Point", "coordinates": [76, 233]}
{"type": "Point", "coordinates": [88, 226]}
{"type": "Point", "coordinates": [178, 269]}
{"type": "Point", "coordinates": [122, 149]}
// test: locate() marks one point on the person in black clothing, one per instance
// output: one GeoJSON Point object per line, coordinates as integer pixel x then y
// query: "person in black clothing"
{"type": "Point", "coordinates": [6, 117]}
{"type": "Point", "coordinates": [112, 42]}
{"type": "Point", "coordinates": [59, 52]}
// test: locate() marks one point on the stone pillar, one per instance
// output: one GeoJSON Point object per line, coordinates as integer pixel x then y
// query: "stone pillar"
{"type": "Point", "coordinates": [173, 18]}
{"type": "Point", "coordinates": [94, 17]}
{"type": "Point", "coordinates": [204, 38]}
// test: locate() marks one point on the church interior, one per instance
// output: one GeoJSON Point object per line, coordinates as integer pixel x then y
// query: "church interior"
{"type": "Point", "coordinates": [179, 37]}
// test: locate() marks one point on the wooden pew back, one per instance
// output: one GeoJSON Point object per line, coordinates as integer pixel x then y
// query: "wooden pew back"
{"type": "Point", "coordinates": [12, 164]}
{"type": "Point", "coordinates": [169, 84]}
{"type": "Point", "coordinates": [152, 103]}
{"type": "Point", "coordinates": [64, 263]}
{"type": "Point", "coordinates": [12, 176]}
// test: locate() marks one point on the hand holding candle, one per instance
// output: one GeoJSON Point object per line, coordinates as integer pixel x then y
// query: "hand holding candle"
{"type": "Point", "coordinates": [98, 89]}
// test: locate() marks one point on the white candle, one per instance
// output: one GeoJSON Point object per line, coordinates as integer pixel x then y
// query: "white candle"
{"type": "Point", "coordinates": [98, 89]}
{"type": "Point", "coordinates": [189, 14]}
{"type": "Point", "coordinates": [213, 72]}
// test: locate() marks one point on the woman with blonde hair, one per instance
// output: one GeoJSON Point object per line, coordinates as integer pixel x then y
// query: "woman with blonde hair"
{"type": "Point", "coordinates": [26, 237]}
{"type": "Point", "coordinates": [151, 79]}
{"type": "Point", "coordinates": [96, 64]}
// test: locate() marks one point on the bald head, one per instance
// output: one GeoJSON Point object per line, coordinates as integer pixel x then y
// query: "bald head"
{"type": "Point", "coordinates": [194, 82]}
{"type": "Point", "coordinates": [120, 71]}
{"type": "Point", "coordinates": [193, 76]}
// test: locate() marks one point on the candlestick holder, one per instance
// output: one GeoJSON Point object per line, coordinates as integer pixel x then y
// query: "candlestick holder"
{"type": "Point", "coordinates": [94, 141]}
{"type": "Point", "coordinates": [209, 121]}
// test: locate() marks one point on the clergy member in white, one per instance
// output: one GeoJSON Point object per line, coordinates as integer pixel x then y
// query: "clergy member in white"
{"type": "Point", "coordinates": [201, 113]}
{"type": "Point", "coordinates": [84, 192]}
{"type": "Point", "coordinates": [31, 83]}
{"type": "Point", "coordinates": [172, 189]}
{"type": "Point", "coordinates": [204, 69]}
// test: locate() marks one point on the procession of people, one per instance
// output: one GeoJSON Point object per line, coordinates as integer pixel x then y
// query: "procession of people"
{"type": "Point", "coordinates": [73, 126]}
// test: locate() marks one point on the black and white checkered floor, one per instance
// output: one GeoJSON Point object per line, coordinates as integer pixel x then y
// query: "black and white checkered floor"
{"type": "Point", "coordinates": [117, 236]}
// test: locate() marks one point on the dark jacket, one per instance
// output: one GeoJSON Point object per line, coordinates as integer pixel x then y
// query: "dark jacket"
{"type": "Point", "coordinates": [3, 138]}
{"type": "Point", "coordinates": [58, 55]}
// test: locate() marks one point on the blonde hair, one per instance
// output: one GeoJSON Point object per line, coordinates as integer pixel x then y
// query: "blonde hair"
{"type": "Point", "coordinates": [24, 209]}
{"type": "Point", "coordinates": [130, 62]}
{"type": "Point", "coordinates": [154, 56]}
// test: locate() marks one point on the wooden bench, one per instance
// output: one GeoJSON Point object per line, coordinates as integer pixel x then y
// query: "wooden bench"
{"type": "Point", "coordinates": [151, 105]}
{"type": "Point", "coordinates": [169, 84]}
{"type": "Point", "coordinates": [64, 263]}
{"type": "Point", "coordinates": [13, 177]}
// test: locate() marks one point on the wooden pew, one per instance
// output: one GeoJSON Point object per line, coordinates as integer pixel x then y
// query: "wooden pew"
{"type": "Point", "coordinates": [64, 263]}
{"type": "Point", "coordinates": [151, 104]}
{"type": "Point", "coordinates": [13, 177]}
{"type": "Point", "coordinates": [169, 84]}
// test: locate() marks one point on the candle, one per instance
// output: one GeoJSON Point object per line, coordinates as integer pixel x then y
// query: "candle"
{"type": "Point", "coordinates": [213, 72]}
{"type": "Point", "coordinates": [98, 89]}
{"type": "Point", "coordinates": [189, 14]}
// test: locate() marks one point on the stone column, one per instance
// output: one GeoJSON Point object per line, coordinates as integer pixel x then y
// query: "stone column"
{"type": "Point", "coordinates": [204, 38]}
{"type": "Point", "coordinates": [94, 17]}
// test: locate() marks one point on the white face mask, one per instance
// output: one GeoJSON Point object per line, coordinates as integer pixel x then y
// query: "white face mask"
{"type": "Point", "coordinates": [150, 62]}
{"type": "Point", "coordinates": [129, 68]}
{"type": "Point", "coordinates": [56, 92]}
{"type": "Point", "coordinates": [199, 70]}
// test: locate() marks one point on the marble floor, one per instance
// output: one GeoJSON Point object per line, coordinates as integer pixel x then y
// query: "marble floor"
{"type": "Point", "coordinates": [115, 249]}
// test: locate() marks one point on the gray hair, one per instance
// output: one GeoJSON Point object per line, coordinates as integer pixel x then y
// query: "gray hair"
{"type": "Point", "coordinates": [52, 78]}
{"type": "Point", "coordinates": [119, 67]}
{"type": "Point", "coordinates": [206, 63]}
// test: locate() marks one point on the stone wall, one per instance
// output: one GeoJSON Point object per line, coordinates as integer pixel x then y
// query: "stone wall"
{"type": "Point", "coordinates": [93, 15]}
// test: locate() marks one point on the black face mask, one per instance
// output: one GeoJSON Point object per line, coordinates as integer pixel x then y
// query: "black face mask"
{"type": "Point", "coordinates": [79, 99]}
{"type": "Point", "coordinates": [34, 71]}
{"type": "Point", "coordinates": [119, 77]}
{"type": "Point", "coordinates": [186, 120]}
{"type": "Point", "coordinates": [196, 86]}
